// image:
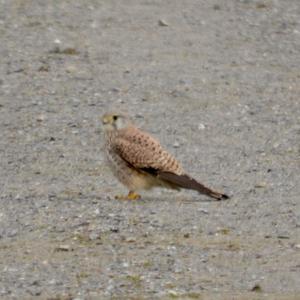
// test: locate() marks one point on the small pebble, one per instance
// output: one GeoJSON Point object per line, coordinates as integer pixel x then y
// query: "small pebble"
{"type": "Point", "coordinates": [94, 236]}
{"type": "Point", "coordinates": [162, 22]}
{"type": "Point", "coordinates": [176, 144]}
{"type": "Point", "coordinates": [63, 248]}
{"type": "Point", "coordinates": [172, 293]}
{"type": "Point", "coordinates": [71, 69]}
{"type": "Point", "coordinates": [256, 288]}
{"type": "Point", "coordinates": [201, 126]}
{"type": "Point", "coordinates": [41, 118]}
{"type": "Point", "coordinates": [261, 185]}
{"type": "Point", "coordinates": [204, 211]}
{"type": "Point", "coordinates": [130, 240]}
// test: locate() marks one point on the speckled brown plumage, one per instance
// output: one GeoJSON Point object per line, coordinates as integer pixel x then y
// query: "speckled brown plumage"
{"type": "Point", "coordinates": [141, 150]}
{"type": "Point", "coordinates": [140, 162]}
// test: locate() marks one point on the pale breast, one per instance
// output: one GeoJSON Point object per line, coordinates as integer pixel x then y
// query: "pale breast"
{"type": "Point", "coordinates": [124, 172]}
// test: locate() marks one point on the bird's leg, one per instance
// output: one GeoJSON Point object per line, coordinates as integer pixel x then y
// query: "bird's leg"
{"type": "Point", "coordinates": [131, 196]}
{"type": "Point", "coordinates": [121, 197]}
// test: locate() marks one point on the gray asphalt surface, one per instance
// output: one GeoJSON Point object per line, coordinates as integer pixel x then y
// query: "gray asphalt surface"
{"type": "Point", "coordinates": [217, 82]}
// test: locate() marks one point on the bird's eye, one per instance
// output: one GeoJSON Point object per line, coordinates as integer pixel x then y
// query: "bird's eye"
{"type": "Point", "coordinates": [115, 118]}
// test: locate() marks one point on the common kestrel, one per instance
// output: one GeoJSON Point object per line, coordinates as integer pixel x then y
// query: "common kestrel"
{"type": "Point", "coordinates": [140, 162]}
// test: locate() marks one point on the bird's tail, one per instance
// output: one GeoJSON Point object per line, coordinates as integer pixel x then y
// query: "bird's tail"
{"type": "Point", "coordinates": [186, 182]}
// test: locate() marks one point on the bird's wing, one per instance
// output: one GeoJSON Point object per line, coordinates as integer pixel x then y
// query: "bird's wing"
{"type": "Point", "coordinates": [142, 151]}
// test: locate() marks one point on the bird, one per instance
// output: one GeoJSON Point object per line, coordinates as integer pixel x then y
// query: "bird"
{"type": "Point", "coordinates": [139, 161]}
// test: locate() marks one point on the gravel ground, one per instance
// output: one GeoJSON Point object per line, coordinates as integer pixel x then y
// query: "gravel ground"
{"type": "Point", "coordinates": [218, 82]}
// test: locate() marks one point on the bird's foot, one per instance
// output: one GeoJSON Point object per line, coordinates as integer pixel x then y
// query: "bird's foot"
{"type": "Point", "coordinates": [131, 196]}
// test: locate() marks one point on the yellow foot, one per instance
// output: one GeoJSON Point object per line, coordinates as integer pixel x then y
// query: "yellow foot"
{"type": "Point", "coordinates": [131, 196]}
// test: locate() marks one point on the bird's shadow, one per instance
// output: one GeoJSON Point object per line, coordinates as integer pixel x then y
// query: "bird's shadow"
{"type": "Point", "coordinates": [184, 199]}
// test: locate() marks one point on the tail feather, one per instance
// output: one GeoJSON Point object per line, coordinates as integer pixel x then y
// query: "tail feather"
{"type": "Point", "coordinates": [186, 182]}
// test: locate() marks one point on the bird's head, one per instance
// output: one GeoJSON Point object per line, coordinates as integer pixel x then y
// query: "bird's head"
{"type": "Point", "coordinates": [115, 121]}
